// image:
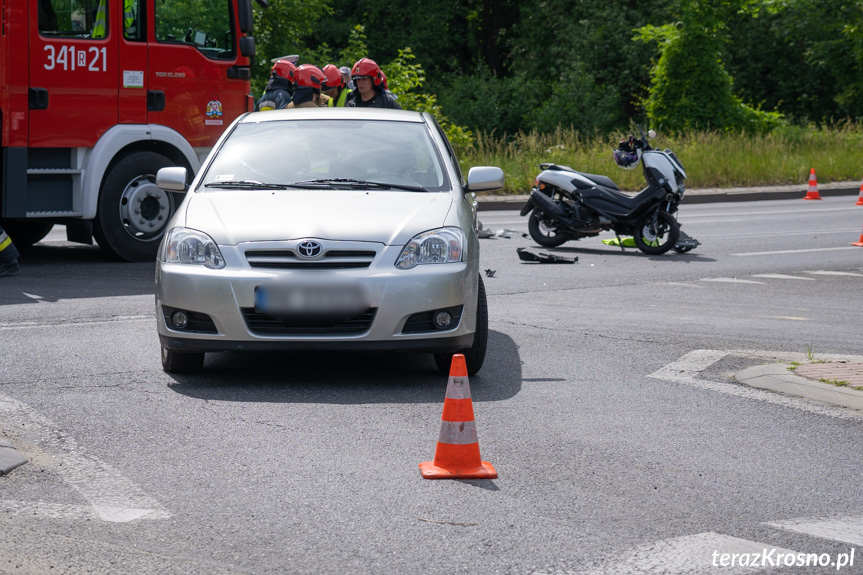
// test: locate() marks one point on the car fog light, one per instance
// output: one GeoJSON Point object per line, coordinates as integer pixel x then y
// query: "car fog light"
{"type": "Point", "coordinates": [180, 319]}
{"type": "Point", "coordinates": [442, 319]}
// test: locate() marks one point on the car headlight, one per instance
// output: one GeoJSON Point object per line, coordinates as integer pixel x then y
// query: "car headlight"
{"type": "Point", "coordinates": [185, 246]}
{"type": "Point", "coordinates": [440, 246]}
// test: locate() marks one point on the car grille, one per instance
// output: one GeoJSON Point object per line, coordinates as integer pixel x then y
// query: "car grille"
{"type": "Point", "coordinates": [331, 260]}
{"type": "Point", "coordinates": [263, 324]}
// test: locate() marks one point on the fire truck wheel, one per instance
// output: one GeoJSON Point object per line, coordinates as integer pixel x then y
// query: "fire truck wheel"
{"type": "Point", "coordinates": [133, 212]}
{"type": "Point", "coordinates": [25, 234]}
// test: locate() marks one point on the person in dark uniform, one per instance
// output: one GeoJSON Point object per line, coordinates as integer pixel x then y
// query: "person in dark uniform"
{"type": "Point", "coordinates": [8, 255]}
{"type": "Point", "coordinates": [280, 88]}
{"type": "Point", "coordinates": [369, 92]}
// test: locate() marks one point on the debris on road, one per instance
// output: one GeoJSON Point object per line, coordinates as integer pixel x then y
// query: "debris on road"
{"type": "Point", "coordinates": [543, 258]}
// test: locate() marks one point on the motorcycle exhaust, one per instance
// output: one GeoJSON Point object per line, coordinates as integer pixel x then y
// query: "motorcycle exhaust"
{"type": "Point", "coordinates": [547, 205]}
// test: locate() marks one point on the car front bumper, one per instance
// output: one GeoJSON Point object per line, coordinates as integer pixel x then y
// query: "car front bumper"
{"type": "Point", "coordinates": [226, 296]}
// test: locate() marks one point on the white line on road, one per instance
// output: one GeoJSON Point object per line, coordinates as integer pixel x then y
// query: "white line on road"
{"type": "Point", "coordinates": [730, 280]}
{"type": "Point", "coordinates": [829, 273]}
{"type": "Point", "coordinates": [782, 277]}
{"type": "Point", "coordinates": [692, 555]}
{"type": "Point", "coordinates": [72, 322]}
{"type": "Point", "coordinates": [112, 497]}
{"type": "Point", "coordinates": [845, 529]}
{"type": "Point", "coordinates": [796, 251]}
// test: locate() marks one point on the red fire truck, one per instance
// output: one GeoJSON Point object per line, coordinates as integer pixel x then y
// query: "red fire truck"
{"type": "Point", "coordinates": [97, 95]}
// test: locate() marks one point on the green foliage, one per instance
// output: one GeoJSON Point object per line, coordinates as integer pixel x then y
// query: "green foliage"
{"type": "Point", "coordinates": [712, 158]}
{"type": "Point", "coordinates": [690, 88]}
{"type": "Point", "coordinates": [405, 79]}
{"type": "Point", "coordinates": [279, 31]}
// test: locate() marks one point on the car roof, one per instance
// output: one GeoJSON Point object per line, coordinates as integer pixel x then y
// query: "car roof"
{"type": "Point", "coordinates": [333, 114]}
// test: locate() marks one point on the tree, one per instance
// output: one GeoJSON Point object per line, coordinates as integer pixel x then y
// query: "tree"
{"type": "Point", "coordinates": [690, 88]}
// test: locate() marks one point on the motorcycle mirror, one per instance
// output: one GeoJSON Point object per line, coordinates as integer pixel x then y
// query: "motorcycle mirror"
{"type": "Point", "coordinates": [651, 134]}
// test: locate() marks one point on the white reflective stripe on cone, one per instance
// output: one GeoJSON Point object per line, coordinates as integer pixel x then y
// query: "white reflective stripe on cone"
{"type": "Point", "coordinates": [458, 387]}
{"type": "Point", "coordinates": [458, 432]}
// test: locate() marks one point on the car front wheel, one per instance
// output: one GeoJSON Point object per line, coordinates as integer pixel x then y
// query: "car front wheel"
{"type": "Point", "coordinates": [474, 356]}
{"type": "Point", "coordinates": [181, 362]}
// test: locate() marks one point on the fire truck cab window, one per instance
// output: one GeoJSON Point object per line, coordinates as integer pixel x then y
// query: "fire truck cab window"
{"type": "Point", "coordinates": [205, 24]}
{"type": "Point", "coordinates": [79, 19]}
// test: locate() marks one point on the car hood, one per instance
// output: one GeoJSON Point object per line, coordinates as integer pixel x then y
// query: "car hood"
{"type": "Point", "coordinates": [388, 217]}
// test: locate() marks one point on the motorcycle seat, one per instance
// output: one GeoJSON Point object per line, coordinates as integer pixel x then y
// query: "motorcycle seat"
{"type": "Point", "coordinates": [600, 180]}
{"type": "Point", "coordinates": [608, 199]}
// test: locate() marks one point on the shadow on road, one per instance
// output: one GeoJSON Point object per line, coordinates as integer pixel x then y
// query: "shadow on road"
{"type": "Point", "coordinates": [54, 273]}
{"type": "Point", "coordinates": [670, 256]}
{"type": "Point", "coordinates": [346, 378]}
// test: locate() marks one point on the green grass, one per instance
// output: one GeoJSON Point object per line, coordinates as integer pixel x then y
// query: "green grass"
{"type": "Point", "coordinates": [711, 159]}
{"type": "Point", "coordinates": [836, 382]}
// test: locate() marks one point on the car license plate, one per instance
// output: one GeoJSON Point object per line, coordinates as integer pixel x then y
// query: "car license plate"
{"type": "Point", "coordinates": [323, 297]}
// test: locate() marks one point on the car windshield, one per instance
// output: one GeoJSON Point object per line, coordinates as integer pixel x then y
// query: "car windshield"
{"type": "Point", "coordinates": [328, 153]}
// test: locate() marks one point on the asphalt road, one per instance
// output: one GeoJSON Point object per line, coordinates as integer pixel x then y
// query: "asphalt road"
{"type": "Point", "coordinates": [607, 404]}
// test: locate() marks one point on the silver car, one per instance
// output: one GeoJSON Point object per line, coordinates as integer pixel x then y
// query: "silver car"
{"type": "Point", "coordinates": [325, 229]}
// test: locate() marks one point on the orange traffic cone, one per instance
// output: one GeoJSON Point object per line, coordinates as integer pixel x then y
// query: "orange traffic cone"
{"type": "Point", "coordinates": [812, 193]}
{"type": "Point", "coordinates": [457, 453]}
{"type": "Point", "coordinates": [860, 243]}
{"type": "Point", "coordinates": [860, 196]}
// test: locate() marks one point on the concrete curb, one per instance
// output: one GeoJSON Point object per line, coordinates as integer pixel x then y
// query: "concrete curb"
{"type": "Point", "coordinates": [705, 196]}
{"type": "Point", "coordinates": [776, 377]}
{"type": "Point", "coordinates": [9, 457]}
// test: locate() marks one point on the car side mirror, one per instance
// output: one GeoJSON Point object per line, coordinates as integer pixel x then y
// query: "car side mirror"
{"type": "Point", "coordinates": [171, 179]}
{"type": "Point", "coordinates": [481, 178]}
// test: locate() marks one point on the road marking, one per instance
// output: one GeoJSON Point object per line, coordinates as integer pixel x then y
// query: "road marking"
{"type": "Point", "coordinates": [795, 251]}
{"type": "Point", "coordinates": [782, 277]}
{"type": "Point", "coordinates": [685, 370]}
{"type": "Point", "coordinates": [829, 273]}
{"type": "Point", "coordinates": [31, 296]}
{"type": "Point", "coordinates": [692, 555]}
{"type": "Point", "coordinates": [791, 317]}
{"type": "Point", "coordinates": [111, 496]}
{"type": "Point", "coordinates": [683, 284]}
{"type": "Point", "coordinates": [754, 214]}
{"type": "Point", "coordinates": [845, 529]}
{"type": "Point", "coordinates": [75, 322]}
{"type": "Point", "coordinates": [86, 512]}
{"type": "Point", "coordinates": [730, 280]}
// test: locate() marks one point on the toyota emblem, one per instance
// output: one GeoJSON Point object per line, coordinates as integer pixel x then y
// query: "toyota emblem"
{"type": "Point", "coordinates": [309, 249]}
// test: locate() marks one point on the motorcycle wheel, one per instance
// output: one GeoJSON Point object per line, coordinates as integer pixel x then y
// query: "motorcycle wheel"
{"type": "Point", "coordinates": [545, 235]}
{"type": "Point", "coordinates": [659, 241]}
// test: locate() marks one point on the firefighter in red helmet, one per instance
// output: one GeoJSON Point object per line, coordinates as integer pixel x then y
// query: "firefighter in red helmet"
{"type": "Point", "coordinates": [307, 87]}
{"type": "Point", "coordinates": [280, 88]}
{"type": "Point", "coordinates": [369, 92]}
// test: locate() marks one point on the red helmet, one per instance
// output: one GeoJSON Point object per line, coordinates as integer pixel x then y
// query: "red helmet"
{"type": "Point", "coordinates": [334, 77]}
{"type": "Point", "coordinates": [310, 76]}
{"type": "Point", "coordinates": [370, 68]}
{"type": "Point", "coordinates": [384, 78]}
{"type": "Point", "coordinates": [285, 69]}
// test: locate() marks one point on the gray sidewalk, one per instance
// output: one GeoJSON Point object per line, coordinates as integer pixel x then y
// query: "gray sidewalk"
{"type": "Point", "coordinates": [706, 195]}
{"type": "Point", "coordinates": [838, 381]}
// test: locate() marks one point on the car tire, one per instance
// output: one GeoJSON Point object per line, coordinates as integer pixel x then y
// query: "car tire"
{"type": "Point", "coordinates": [133, 212]}
{"type": "Point", "coordinates": [181, 362]}
{"type": "Point", "coordinates": [474, 356]}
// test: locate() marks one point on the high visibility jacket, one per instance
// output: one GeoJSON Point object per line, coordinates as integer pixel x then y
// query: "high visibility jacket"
{"type": "Point", "coordinates": [129, 18]}
{"type": "Point", "coordinates": [340, 101]}
{"type": "Point", "coordinates": [99, 26]}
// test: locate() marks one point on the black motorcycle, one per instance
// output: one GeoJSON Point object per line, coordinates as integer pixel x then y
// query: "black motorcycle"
{"type": "Point", "coordinates": [566, 204]}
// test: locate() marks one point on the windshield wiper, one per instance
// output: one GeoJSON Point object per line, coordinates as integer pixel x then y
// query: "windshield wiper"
{"type": "Point", "coordinates": [249, 184]}
{"type": "Point", "coordinates": [362, 184]}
